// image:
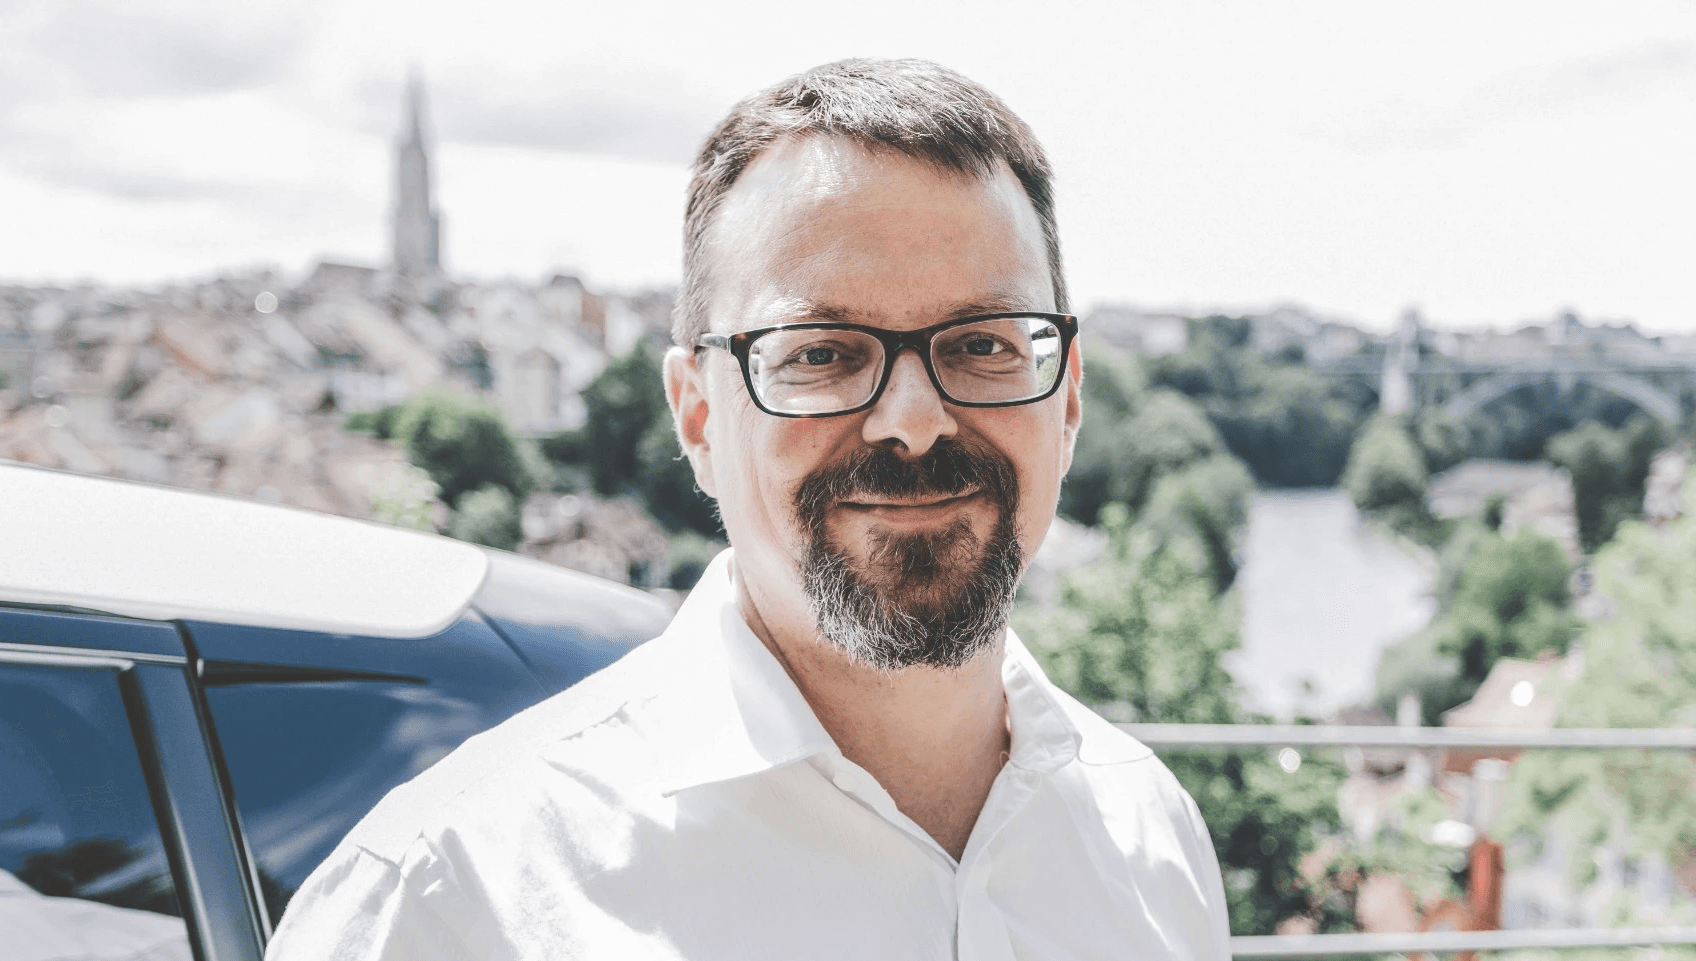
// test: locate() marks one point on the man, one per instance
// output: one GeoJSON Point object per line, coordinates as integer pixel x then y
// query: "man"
{"type": "Point", "coordinates": [837, 750]}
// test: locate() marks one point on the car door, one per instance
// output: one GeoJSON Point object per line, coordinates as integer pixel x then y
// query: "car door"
{"type": "Point", "coordinates": [314, 728]}
{"type": "Point", "coordinates": [116, 827]}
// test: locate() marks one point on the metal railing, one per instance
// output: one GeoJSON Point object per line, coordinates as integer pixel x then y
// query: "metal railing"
{"type": "Point", "coordinates": [1225, 736]}
{"type": "Point", "coordinates": [1230, 736]}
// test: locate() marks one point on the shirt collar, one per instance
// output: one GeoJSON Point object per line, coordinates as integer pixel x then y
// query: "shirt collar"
{"type": "Point", "coordinates": [734, 711]}
{"type": "Point", "coordinates": [1044, 735]}
{"type": "Point", "coordinates": [730, 710]}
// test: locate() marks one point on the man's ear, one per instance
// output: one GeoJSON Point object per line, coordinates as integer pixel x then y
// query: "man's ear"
{"type": "Point", "coordinates": [1074, 402]}
{"type": "Point", "coordinates": [686, 392]}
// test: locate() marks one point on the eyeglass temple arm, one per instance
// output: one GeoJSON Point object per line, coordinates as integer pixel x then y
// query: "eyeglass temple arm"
{"type": "Point", "coordinates": [721, 341]}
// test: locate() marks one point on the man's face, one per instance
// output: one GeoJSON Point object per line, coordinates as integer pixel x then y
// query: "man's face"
{"type": "Point", "coordinates": [914, 508]}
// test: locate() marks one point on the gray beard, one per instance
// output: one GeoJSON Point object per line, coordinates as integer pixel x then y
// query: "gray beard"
{"type": "Point", "coordinates": [921, 619]}
{"type": "Point", "coordinates": [934, 599]}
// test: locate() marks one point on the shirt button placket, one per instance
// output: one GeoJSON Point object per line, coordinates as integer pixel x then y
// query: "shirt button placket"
{"type": "Point", "coordinates": [981, 932]}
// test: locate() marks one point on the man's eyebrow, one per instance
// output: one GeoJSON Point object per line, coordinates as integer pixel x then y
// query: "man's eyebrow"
{"type": "Point", "coordinates": [997, 303]}
{"type": "Point", "coordinates": [828, 313]}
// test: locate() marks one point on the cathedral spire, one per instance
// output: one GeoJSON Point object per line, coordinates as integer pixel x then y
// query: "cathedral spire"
{"type": "Point", "coordinates": [417, 224]}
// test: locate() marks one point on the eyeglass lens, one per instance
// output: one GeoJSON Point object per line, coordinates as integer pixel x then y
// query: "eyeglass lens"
{"type": "Point", "coordinates": [995, 361]}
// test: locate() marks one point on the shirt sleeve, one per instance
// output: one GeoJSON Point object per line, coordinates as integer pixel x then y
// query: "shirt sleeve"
{"type": "Point", "coordinates": [360, 907]}
{"type": "Point", "coordinates": [1211, 881]}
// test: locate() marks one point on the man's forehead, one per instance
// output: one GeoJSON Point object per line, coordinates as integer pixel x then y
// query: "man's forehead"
{"type": "Point", "coordinates": [814, 218]}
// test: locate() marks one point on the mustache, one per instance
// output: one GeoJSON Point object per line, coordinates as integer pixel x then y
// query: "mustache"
{"type": "Point", "coordinates": [948, 469]}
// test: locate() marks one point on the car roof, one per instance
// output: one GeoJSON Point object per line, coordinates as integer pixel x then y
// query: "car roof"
{"type": "Point", "coordinates": [138, 550]}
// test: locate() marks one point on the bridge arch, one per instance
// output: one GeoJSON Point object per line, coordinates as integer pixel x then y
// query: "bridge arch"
{"type": "Point", "coordinates": [1651, 399]}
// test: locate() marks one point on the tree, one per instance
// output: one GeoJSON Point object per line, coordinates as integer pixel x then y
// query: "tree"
{"type": "Point", "coordinates": [1385, 468]}
{"type": "Point", "coordinates": [1289, 424]}
{"type": "Point", "coordinates": [1497, 597]}
{"type": "Point", "coordinates": [488, 516]}
{"type": "Point", "coordinates": [1198, 511]}
{"type": "Point", "coordinates": [666, 482]}
{"type": "Point", "coordinates": [1291, 427]}
{"type": "Point", "coordinates": [1511, 601]}
{"type": "Point", "coordinates": [464, 445]}
{"type": "Point", "coordinates": [628, 445]}
{"type": "Point", "coordinates": [623, 402]}
{"type": "Point", "coordinates": [1139, 635]}
{"type": "Point", "coordinates": [1128, 441]}
{"type": "Point", "coordinates": [1608, 470]}
{"type": "Point", "coordinates": [1639, 670]}
{"type": "Point", "coordinates": [379, 423]}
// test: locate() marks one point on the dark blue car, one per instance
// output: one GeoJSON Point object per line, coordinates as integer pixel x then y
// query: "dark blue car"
{"type": "Point", "coordinates": [200, 695]}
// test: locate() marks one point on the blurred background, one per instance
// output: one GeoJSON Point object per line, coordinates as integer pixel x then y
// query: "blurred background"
{"type": "Point", "coordinates": [1389, 332]}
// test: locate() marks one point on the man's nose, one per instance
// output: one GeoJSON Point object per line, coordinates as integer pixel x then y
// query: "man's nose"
{"type": "Point", "coordinates": [910, 411]}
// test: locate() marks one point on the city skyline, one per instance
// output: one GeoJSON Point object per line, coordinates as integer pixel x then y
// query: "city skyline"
{"type": "Point", "coordinates": [1490, 167]}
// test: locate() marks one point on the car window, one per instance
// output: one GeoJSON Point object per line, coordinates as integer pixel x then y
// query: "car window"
{"type": "Point", "coordinates": [81, 860]}
{"type": "Point", "coordinates": [308, 760]}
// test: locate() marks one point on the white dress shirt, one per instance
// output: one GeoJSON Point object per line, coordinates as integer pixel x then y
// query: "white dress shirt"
{"type": "Point", "coordinates": [685, 803]}
{"type": "Point", "coordinates": [34, 927]}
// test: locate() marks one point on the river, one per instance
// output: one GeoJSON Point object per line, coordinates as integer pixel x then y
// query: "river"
{"type": "Point", "coordinates": [1323, 594]}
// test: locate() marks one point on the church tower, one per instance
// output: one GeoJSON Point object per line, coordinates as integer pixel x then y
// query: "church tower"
{"type": "Point", "coordinates": [417, 225]}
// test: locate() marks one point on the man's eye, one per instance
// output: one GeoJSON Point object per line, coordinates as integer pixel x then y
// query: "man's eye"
{"type": "Point", "coordinates": [818, 356]}
{"type": "Point", "coordinates": [981, 346]}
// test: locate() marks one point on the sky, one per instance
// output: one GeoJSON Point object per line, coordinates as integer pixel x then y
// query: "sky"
{"type": "Point", "coordinates": [1488, 163]}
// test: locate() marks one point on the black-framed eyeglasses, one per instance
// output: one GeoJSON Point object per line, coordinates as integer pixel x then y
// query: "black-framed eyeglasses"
{"type": "Point", "coordinates": [824, 369]}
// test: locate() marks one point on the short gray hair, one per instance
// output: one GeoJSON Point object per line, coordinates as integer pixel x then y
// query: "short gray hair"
{"type": "Point", "coordinates": [913, 106]}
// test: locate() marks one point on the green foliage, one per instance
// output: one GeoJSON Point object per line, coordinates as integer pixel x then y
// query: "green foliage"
{"type": "Point", "coordinates": [1443, 441]}
{"type": "Point", "coordinates": [688, 554]}
{"type": "Point", "coordinates": [666, 482]}
{"type": "Point", "coordinates": [1294, 428]}
{"type": "Point", "coordinates": [1120, 459]}
{"type": "Point", "coordinates": [379, 423]}
{"type": "Point", "coordinates": [1416, 665]}
{"type": "Point", "coordinates": [1639, 670]}
{"type": "Point", "coordinates": [406, 502]}
{"type": "Point", "coordinates": [570, 446]}
{"type": "Point", "coordinates": [1402, 849]}
{"type": "Point", "coordinates": [1386, 468]}
{"type": "Point", "coordinates": [488, 516]}
{"type": "Point", "coordinates": [1198, 511]}
{"type": "Point", "coordinates": [1140, 632]}
{"type": "Point", "coordinates": [463, 444]}
{"type": "Point", "coordinates": [1263, 821]}
{"type": "Point", "coordinates": [1520, 425]}
{"type": "Point", "coordinates": [1497, 597]}
{"type": "Point", "coordinates": [1129, 439]}
{"type": "Point", "coordinates": [1140, 635]}
{"type": "Point", "coordinates": [1291, 425]}
{"type": "Point", "coordinates": [629, 446]}
{"type": "Point", "coordinates": [1511, 601]}
{"type": "Point", "coordinates": [624, 401]}
{"type": "Point", "coordinates": [1608, 468]}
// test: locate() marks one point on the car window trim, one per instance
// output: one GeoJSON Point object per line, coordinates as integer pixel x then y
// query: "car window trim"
{"type": "Point", "coordinates": [12, 652]}
{"type": "Point", "coordinates": [223, 673]}
{"type": "Point", "coordinates": [155, 691]}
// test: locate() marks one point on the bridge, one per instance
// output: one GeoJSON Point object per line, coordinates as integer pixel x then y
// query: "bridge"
{"type": "Point", "coordinates": [1404, 380]}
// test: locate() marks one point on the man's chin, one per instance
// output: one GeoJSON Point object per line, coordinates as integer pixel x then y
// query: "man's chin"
{"type": "Point", "coordinates": [930, 562]}
{"type": "Point", "coordinates": [933, 600]}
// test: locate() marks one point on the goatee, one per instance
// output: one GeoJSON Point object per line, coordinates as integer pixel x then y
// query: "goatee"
{"type": "Point", "coordinates": [932, 598]}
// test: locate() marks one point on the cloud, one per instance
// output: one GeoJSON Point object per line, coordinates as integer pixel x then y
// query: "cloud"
{"type": "Point", "coordinates": [1520, 95]}
{"type": "Point", "coordinates": [124, 51]}
{"type": "Point", "coordinates": [636, 117]}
